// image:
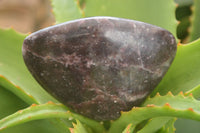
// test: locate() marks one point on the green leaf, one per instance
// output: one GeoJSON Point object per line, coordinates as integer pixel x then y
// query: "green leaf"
{"type": "Point", "coordinates": [129, 129]}
{"type": "Point", "coordinates": [154, 124]}
{"type": "Point", "coordinates": [78, 128]}
{"type": "Point", "coordinates": [195, 92]}
{"type": "Point", "coordinates": [195, 29]}
{"type": "Point", "coordinates": [65, 10]}
{"type": "Point", "coordinates": [16, 90]}
{"type": "Point", "coordinates": [160, 14]}
{"type": "Point", "coordinates": [37, 126]}
{"type": "Point", "coordinates": [159, 106]}
{"type": "Point", "coordinates": [48, 110]}
{"type": "Point", "coordinates": [184, 73]}
{"type": "Point", "coordinates": [16, 77]}
{"type": "Point", "coordinates": [168, 127]}
{"type": "Point", "coordinates": [9, 103]}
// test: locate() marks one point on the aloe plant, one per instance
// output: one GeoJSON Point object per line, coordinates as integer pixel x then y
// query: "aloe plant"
{"type": "Point", "coordinates": [26, 107]}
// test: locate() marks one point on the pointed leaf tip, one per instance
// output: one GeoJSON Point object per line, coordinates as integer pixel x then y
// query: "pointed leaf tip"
{"type": "Point", "coordinates": [167, 105]}
{"type": "Point", "coordinates": [129, 129]}
{"type": "Point", "coordinates": [191, 109]}
{"type": "Point", "coordinates": [50, 102]}
{"type": "Point", "coordinates": [150, 105]}
{"type": "Point", "coordinates": [20, 111]}
{"type": "Point", "coordinates": [157, 94]}
{"type": "Point", "coordinates": [190, 95]}
{"type": "Point", "coordinates": [34, 105]}
{"type": "Point", "coordinates": [170, 93]}
{"type": "Point", "coordinates": [179, 43]}
{"type": "Point", "coordinates": [181, 93]}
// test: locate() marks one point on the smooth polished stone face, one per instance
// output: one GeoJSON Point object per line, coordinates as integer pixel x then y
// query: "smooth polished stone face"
{"type": "Point", "coordinates": [100, 66]}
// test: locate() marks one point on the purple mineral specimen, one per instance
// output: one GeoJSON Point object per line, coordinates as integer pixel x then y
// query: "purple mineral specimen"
{"type": "Point", "coordinates": [100, 66]}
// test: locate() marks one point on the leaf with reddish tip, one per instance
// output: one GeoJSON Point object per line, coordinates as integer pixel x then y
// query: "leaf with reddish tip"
{"type": "Point", "coordinates": [48, 110]}
{"type": "Point", "coordinates": [78, 128]}
{"type": "Point", "coordinates": [15, 76]}
{"type": "Point", "coordinates": [129, 129]}
{"type": "Point", "coordinates": [184, 73]}
{"type": "Point", "coordinates": [168, 127]}
{"type": "Point", "coordinates": [169, 105]}
{"type": "Point", "coordinates": [194, 92]}
{"type": "Point", "coordinates": [154, 124]}
{"type": "Point", "coordinates": [16, 90]}
{"type": "Point", "coordinates": [10, 103]}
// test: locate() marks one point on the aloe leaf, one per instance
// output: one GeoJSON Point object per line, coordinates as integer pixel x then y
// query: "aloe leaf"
{"type": "Point", "coordinates": [155, 124]}
{"type": "Point", "coordinates": [48, 110]}
{"type": "Point", "coordinates": [10, 103]}
{"type": "Point", "coordinates": [129, 129]}
{"type": "Point", "coordinates": [65, 10]}
{"type": "Point", "coordinates": [168, 127]}
{"type": "Point", "coordinates": [142, 10]}
{"type": "Point", "coordinates": [195, 92]}
{"type": "Point", "coordinates": [78, 128]}
{"type": "Point", "coordinates": [14, 75]}
{"type": "Point", "coordinates": [13, 69]}
{"type": "Point", "coordinates": [195, 29]}
{"type": "Point", "coordinates": [38, 126]}
{"type": "Point", "coordinates": [184, 73]}
{"type": "Point", "coordinates": [16, 90]}
{"type": "Point", "coordinates": [159, 106]}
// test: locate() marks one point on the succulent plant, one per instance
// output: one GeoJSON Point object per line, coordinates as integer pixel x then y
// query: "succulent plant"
{"type": "Point", "coordinates": [22, 99]}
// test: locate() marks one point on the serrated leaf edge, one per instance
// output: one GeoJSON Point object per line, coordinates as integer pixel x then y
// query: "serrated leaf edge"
{"type": "Point", "coordinates": [17, 90]}
{"type": "Point", "coordinates": [156, 111]}
{"type": "Point", "coordinates": [43, 111]}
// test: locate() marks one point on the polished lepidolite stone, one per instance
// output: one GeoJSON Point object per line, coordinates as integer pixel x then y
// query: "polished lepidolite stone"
{"type": "Point", "coordinates": [100, 66]}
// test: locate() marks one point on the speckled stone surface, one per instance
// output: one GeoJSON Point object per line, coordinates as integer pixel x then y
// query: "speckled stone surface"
{"type": "Point", "coordinates": [100, 66]}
